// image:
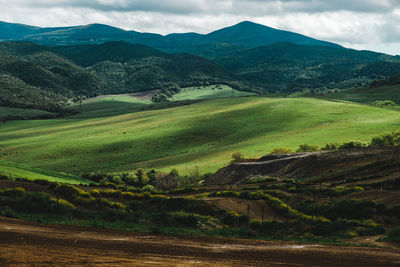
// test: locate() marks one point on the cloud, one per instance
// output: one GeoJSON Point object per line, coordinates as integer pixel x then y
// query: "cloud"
{"type": "Point", "coordinates": [365, 24]}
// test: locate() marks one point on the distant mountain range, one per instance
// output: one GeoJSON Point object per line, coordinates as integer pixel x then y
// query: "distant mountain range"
{"type": "Point", "coordinates": [66, 62]}
{"type": "Point", "coordinates": [241, 36]}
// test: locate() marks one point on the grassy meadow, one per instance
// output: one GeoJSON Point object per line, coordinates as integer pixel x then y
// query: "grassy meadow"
{"type": "Point", "coordinates": [19, 112]}
{"type": "Point", "coordinates": [207, 92]}
{"type": "Point", "coordinates": [368, 95]}
{"type": "Point", "coordinates": [202, 134]}
{"type": "Point", "coordinates": [21, 171]}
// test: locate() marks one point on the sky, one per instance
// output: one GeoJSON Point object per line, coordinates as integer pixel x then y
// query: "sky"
{"type": "Point", "coordinates": [360, 24]}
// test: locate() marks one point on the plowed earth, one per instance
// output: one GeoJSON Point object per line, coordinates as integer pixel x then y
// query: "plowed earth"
{"type": "Point", "coordinates": [34, 244]}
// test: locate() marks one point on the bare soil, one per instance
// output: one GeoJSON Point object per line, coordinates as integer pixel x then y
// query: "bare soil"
{"type": "Point", "coordinates": [34, 244]}
{"type": "Point", "coordinates": [332, 165]}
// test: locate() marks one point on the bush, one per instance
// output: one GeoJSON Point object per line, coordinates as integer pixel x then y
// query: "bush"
{"type": "Point", "coordinates": [237, 157]}
{"type": "Point", "coordinates": [13, 192]}
{"type": "Point", "coordinates": [353, 144]}
{"type": "Point", "coordinates": [281, 150]}
{"type": "Point", "coordinates": [330, 147]}
{"type": "Point", "coordinates": [307, 148]}
{"type": "Point", "coordinates": [386, 140]}
{"type": "Point", "coordinates": [394, 235]}
{"type": "Point", "coordinates": [231, 218]}
{"type": "Point", "coordinates": [384, 103]}
{"type": "Point", "coordinates": [184, 219]}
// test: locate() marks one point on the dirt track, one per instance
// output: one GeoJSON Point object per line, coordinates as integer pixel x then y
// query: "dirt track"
{"type": "Point", "coordinates": [34, 244]}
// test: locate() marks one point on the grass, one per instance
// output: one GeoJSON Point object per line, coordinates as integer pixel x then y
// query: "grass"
{"type": "Point", "coordinates": [19, 170]}
{"type": "Point", "coordinates": [109, 105]}
{"type": "Point", "coordinates": [25, 113]}
{"type": "Point", "coordinates": [207, 92]}
{"type": "Point", "coordinates": [368, 95]}
{"type": "Point", "coordinates": [204, 134]}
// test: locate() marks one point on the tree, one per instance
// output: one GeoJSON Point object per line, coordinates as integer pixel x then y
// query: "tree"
{"type": "Point", "coordinates": [237, 157]}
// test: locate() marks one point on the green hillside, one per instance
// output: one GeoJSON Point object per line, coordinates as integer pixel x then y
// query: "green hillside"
{"type": "Point", "coordinates": [207, 92]}
{"type": "Point", "coordinates": [203, 134]}
{"type": "Point", "coordinates": [33, 76]}
{"type": "Point", "coordinates": [368, 95]}
{"type": "Point", "coordinates": [286, 67]}
{"type": "Point", "coordinates": [14, 170]}
{"type": "Point", "coordinates": [8, 113]}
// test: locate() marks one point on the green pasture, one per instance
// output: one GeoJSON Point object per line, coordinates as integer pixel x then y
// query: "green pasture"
{"type": "Point", "coordinates": [24, 113]}
{"type": "Point", "coordinates": [368, 95]}
{"type": "Point", "coordinates": [203, 134]}
{"type": "Point", "coordinates": [14, 170]}
{"type": "Point", "coordinates": [207, 92]}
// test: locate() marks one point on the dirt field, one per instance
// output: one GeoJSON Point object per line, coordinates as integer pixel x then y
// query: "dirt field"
{"type": "Point", "coordinates": [34, 244]}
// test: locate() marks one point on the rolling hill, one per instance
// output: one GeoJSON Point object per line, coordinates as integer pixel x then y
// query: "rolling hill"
{"type": "Point", "coordinates": [247, 55]}
{"type": "Point", "coordinates": [33, 76]}
{"type": "Point", "coordinates": [286, 67]}
{"type": "Point", "coordinates": [242, 35]}
{"type": "Point", "coordinates": [203, 134]}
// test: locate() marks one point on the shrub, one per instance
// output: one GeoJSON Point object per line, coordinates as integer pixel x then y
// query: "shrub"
{"type": "Point", "coordinates": [43, 182]}
{"type": "Point", "coordinates": [386, 140]}
{"type": "Point", "coordinates": [237, 157]}
{"type": "Point", "coordinates": [149, 188]}
{"type": "Point", "coordinates": [243, 219]}
{"type": "Point", "coordinates": [307, 148]}
{"type": "Point", "coordinates": [394, 235]}
{"type": "Point", "coordinates": [13, 192]}
{"type": "Point", "coordinates": [254, 224]}
{"type": "Point", "coordinates": [231, 218]}
{"type": "Point", "coordinates": [184, 219]}
{"type": "Point", "coordinates": [281, 150]}
{"type": "Point", "coordinates": [330, 147]}
{"type": "Point", "coordinates": [353, 144]}
{"type": "Point", "coordinates": [384, 103]}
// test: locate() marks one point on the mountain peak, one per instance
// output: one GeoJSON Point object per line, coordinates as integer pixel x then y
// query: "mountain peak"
{"type": "Point", "coordinates": [250, 34]}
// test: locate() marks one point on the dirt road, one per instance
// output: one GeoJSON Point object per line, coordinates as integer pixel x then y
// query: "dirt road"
{"type": "Point", "coordinates": [35, 244]}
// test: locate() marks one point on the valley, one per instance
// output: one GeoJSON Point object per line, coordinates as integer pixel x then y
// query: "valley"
{"type": "Point", "coordinates": [244, 146]}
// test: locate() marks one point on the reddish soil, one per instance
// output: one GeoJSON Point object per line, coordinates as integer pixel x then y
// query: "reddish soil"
{"type": "Point", "coordinates": [34, 244]}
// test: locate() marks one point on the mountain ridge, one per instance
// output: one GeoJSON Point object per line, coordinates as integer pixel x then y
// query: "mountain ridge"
{"type": "Point", "coordinates": [245, 34]}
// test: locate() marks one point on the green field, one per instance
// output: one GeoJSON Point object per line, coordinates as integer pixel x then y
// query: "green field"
{"type": "Point", "coordinates": [368, 95]}
{"type": "Point", "coordinates": [14, 170]}
{"type": "Point", "coordinates": [24, 113]}
{"type": "Point", "coordinates": [202, 134]}
{"type": "Point", "coordinates": [206, 92]}
{"type": "Point", "coordinates": [109, 105]}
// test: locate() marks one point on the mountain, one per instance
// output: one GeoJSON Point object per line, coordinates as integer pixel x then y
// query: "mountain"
{"type": "Point", "coordinates": [240, 36]}
{"type": "Point", "coordinates": [289, 67]}
{"type": "Point", "coordinates": [249, 34]}
{"type": "Point", "coordinates": [246, 55]}
{"type": "Point", "coordinates": [35, 76]}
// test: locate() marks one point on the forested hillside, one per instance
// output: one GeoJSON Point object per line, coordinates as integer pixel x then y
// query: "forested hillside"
{"type": "Point", "coordinates": [286, 67]}
{"type": "Point", "coordinates": [34, 76]}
